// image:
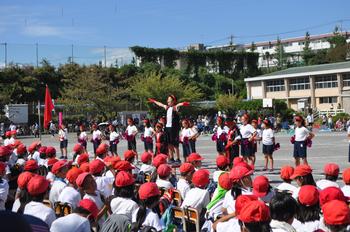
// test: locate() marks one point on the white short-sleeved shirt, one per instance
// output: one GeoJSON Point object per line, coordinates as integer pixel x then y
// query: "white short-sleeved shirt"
{"type": "Point", "coordinates": [16, 205]}
{"type": "Point", "coordinates": [148, 132]}
{"type": "Point", "coordinates": [146, 168]}
{"type": "Point", "coordinates": [96, 134]}
{"type": "Point", "coordinates": [246, 131]}
{"type": "Point", "coordinates": [70, 195]}
{"type": "Point", "coordinates": [306, 227]}
{"type": "Point", "coordinates": [62, 133]}
{"type": "Point", "coordinates": [56, 189]}
{"type": "Point", "coordinates": [346, 190]}
{"type": "Point", "coordinates": [183, 186]}
{"type": "Point", "coordinates": [197, 198]}
{"type": "Point", "coordinates": [131, 130]}
{"type": "Point", "coordinates": [267, 136]}
{"type": "Point", "coordinates": [50, 177]}
{"type": "Point", "coordinates": [83, 135]}
{"type": "Point", "coordinates": [216, 175]}
{"type": "Point", "coordinates": [113, 136]}
{"type": "Point", "coordinates": [169, 117]}
{"type": "Point", "coordinates": [216, 209]}
{"type": "Point", "coordinates": [41, 211]}
{"type": "Point", "coordinates": [230, 225]}
{"type": "Point", "coordinates": [4, 190]}
{"type": "Point", "coordinates": [287, 187]}
{"type": "Point", "coordinates": [120, 205]}
{"type": "Point", "coordinates": [185, 132]}
{"type": "Point", "coordinates": [230, 203]}
{"type": "Point", "coordinates": [322, 184]}
{"type": "Point", "coordinates": [301, 134]}
{"type": "Point", "coordinates": [104, 185]}
{"type": "Point", "coordinates": [151, 219]}
{"type": "Point", "coordinates": [221, 130]}
{"type": "Point", "coordinates": [72, 222]}
{"type": "Point", "coordinates": [164, 184]}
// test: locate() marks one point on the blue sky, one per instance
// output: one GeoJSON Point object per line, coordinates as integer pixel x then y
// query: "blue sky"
{"type": "Point", "coordinates": [91, 24]}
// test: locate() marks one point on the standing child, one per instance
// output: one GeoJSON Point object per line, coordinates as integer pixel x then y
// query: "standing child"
{"type": "Point", "coordinates": [268, 140]}
{"type": "Point", "coordinates": [256, 138]}
{"type": "Point", "coordinates": [82, 137]}
{"type": "Point", "coordinates": [96, 137]}
{"type": "Point", "coordinates": [131, 132]}
{"type": "Point", "coordinates": [184, 139]}
{"type": "Point", "coordinates": [113, 140]}
{"type": "Point", "coordinates": [148, 136]}
{"type": "Point", "coordinates": [302, 138]}
{"type": "Point", "coordinates": [233, 138]}
{"type": "Point", "coordinates": [248, 133]}
{"type": "Point", "coordinates": [62, 134]}
{"type": "Point", "coordinates": [220, 135]}
{"type": "Point", "coordinates": [193, 135]}
{"type": "Point", "coordinates": [161, 142]}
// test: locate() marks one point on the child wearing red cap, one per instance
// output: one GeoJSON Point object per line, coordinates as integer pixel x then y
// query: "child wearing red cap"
{"type": "Point", "coordinates": [331, 172]}
{"type": "Point", "coordinates": [124, 191]}
{"type": "Point", "coordinates": [148, 212]}
{"type": "Point", "coordinates": [302, 134]}
{"type": "Point", "coordinates": [248, 132]}
{"type": "Point", "coordinates": [113, 140]}
{"type": "Point", "coordinates": [104, 183]}
{"type": "Point", "coordinates": [268, 141]}
{"type": "Point", "coordinates": [22, 197]}
{"type": "Point", "coordinates": [146, 167]}
{"type": "Point", "coordinates": [222, 164]}
{"type": "Point", "coordinates": [185, 134]}
{"type": "Point", "coordinates": [186, 173]}
{"type": "Point", "coordinates": [160, 139]}
{"type": "Point", "coordinates": [262, 189]}
{"type": "Point", "coordinates": [4, 186]}
{"type": "Point", "coordinates": [22, 154]}
{"type": "Point", "coordinates": [59, 169]}
{"type": "Point", "coordinates": [233, 138]}
{"type": "Point", "coordinates": [286, 173]}
{"type": "Point", "coordinates": [148, 134]}
{"type": "Point", "coordinates": [78, 149]}
{"type": "Point", "coordinates": [196, 160]}
{"type": "Point", "coordinates": [96, 137]}
{"type": "Point", "coordinates": [302, 176]}
{"type": "Point", "coordinates": [63, 138]}
{"type": "Point", "coordinates": [70, 194]}
{"type": "Point", "coordinates": [336, 216]}
{"type": "Point", "coordinates": [131, 132]}
{"type": "Point", "coordinates": [220, 135]}
{"type": "Point", "coordinates": [164, 172]}
{"type": "Point", "coordinates": [346, 179]}
{"type": "Point", "coordinates": [254, 217]}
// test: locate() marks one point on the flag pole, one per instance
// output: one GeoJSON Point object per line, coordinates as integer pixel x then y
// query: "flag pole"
{"type": "Point", "coordinates": [39, 120]}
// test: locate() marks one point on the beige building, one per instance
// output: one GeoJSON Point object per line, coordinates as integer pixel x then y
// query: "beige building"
{"type": "Point", "coordinates": [321, 87]}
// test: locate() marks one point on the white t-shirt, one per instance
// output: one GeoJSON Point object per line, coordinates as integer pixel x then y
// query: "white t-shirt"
{"type": "Point", "coordinates": [151, 219]}
{"type": "Point", "coordinates": [104, 185]}
{"type": "Point", "coordinates": [169, 117]}
{"type": "Point", "coordinates": [197, 198]}
{"type": "Point", "coordinates": [120, 205]}
{"type": "Point", "coordinates": [96, 134]}
{"type": "Point", "coordinates": [301, 134]}
{"type": "Point", "coordinates": [131, 130]}
{"type": "Point", "coordinates": [70, 195]}
{"type": "Point", "coordinates": [113, 136]}
{"type": "Point", "coordinates": [220, 130]}
{"type": "Point", "coordinates": [56, 189]}
{"type": "Point", "coordinates": [183, 186]}
{"type": "Point", "coordinates": [216, 175]}
{"type": "Point", "coordinates": [83, 135]}
{"type": "Point", "coordinates": [230, 225]}
{"type": "Point", "coordinates": [4, 190]}
{"type": "Point", "coordinates": [230, 203]}
{"type": "Point", "coordinates": [146, 168]}
{"type": "Point", "coordinates": [148, 132]}
{"type": "Point", "coordinates": [267, 136]}
{"type": "Point", "coordinates": [50, 177]}
{"type": "Point", "coordinates": [306, 227]}
{"type": "Point", "coordinates": [216, 209]}
{"type": "Point", "coordinates": [346, 190]}
{"type": "Point", "coordinates": [41, 211]}
{"type": "Point", "coordinates": [322, 184]}
{"type": "Point", "coordinates": [185, 132]}
{"type": "Point", "coordinates": [164, 184]}
{"type": "Point", "coordinates": [72, 222]}
{"type": "Point", "coordinates": [287, 187]}
{"type": "Point", "coordinates": [246, 131]}
{"type": "Point", "coordinates": [62, 133]}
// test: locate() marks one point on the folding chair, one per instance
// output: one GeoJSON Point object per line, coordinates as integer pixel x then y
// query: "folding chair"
{"type": "Point", "coordinates": [192, 218]}
{"type": "Point", "coordinates": [179, 217]}
{"type": "Point", "coordinates": [62, 209]}
{"type": "Point", "coordinates": [177, 200]}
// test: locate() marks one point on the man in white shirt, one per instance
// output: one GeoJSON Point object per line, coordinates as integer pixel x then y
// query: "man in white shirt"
{"type": "Point", "coordinates": [59, 169]}
{"type": "Point", "coordinates": [183, 185]}
{"type": "Point", "coordinates": [331, 171]}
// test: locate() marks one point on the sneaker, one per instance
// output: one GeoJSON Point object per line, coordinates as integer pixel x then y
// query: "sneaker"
{"type": "Point", "coordinates": [178, 161]}
{"type": "Point", "coordinates": [171, 161]}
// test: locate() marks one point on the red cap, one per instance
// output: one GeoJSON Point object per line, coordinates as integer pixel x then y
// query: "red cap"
{"type": "Point", "coordinates": [90, 206]}
{"type": "Point", "coordinates": [31, 165]}
{"type": "Point", "coordinates": [331, 169]}
{"type": "Point", "coordinates": [102, 149]}
{"type": "Point", "coordinates": [73, 174]}
{"type": "Point", "coordinates": [225, 181]}
{"type": "Point", "coordinates": [222, 161]}
{"type": "Point", "coordinates": [23, 179]}
{"type": "Point", "coordinates": [147, 190]}
{"type": "Point", "coordinates": [96, 166]}
{"type": "Point", "coordinates": [78, 148]}
{"type": "Point", "coordinates": [52, 161]}
{"type": "Point", "coordinates": [159, 159]}
{"type": "Point", "coordinates": [5, 151]}
{"type": "Point", "coordinates": [8, 133]}
{"type": "Point", "coordinates": [238, 172]}
{"type": "Point", "coordinates": [194, 157]}
{"type": "Point", "coordinates": [17, 143]}
{"type": "Point", "coordinates": [21, 149]}
{"type": "Point", "coordinates": [331, 193]}
{"type": "Point", "coordinates": [298, 118]}
{"type": "Point", "coordinates": [123, 179]}
{"type": "Point", "coordinates": [186, 167]}
{"type": "Point", "coordinates": [286, 172]}
{"type": "Point", "coordinates": [237, 160]}
{"type": "Point", "coordinates": [37, 185]}
{"type": "Point", "coordinates": [242, 200]}
{"type": "Point", "coordinates": [50, 151]}
{"type": "Point", "coordinates": [261, 186]}
{"type": "Point", "coordinates": [111, 160]}
{"type": "Point", "coordinates": [308, 195]}
{"type": "Point", "coordinates": [336, 213]}
{"type": "Point", "coordinates": [80, 179]}
{"type": "Point", "coordinates": [146, 157]}
{"type": "Point", "coordinates": [33, 146]}
{"type": "Point", "coordinates": [346, 176]}
{"type": "Point", "coordinates": [83, 158]}
{"type": "Point", "coordinates": [129, 154]}
{"type": "Point", "coordinates": [85, 167]}
{"type": "Point", "coordinates": [164, 170]}
{"type": "Point", "coordinates": [13, 132]}
{"type": "Point", "coordinates": [42, 150]}
{"type": "Point", "coordinates": [200, 178]}
{"type": "Point", "coordinates": [2, 167]}
{"type": "Point", "coordinates": [301, 170]}
{"type": "Point", "coordinates": [254, 211]}
{"type": "Point", "coordinates": [58, 166]}
{"type": "Point", "coordinates": [123, 166]}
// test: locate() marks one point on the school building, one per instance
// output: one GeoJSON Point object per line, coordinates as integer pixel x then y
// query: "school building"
{"type": "Point", "coordinates": [319, 87]}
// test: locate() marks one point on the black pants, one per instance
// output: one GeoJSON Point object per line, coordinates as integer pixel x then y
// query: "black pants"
{"type": "Point", "coordinates": [132, 144]}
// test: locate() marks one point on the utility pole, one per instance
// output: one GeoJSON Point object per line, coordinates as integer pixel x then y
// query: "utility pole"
{"type": "Point", "coordinates": [5, 45]}
{"type": "Point", "coordinates": [231, 41]}
{"type": "Point", "coordinates": [105, 54]}
{"type": "Point", "coordinates": [72, 60]}
{"type": "Point", "coordinates": [39, 115]}
{"type": "Point", "coordinates": [37, 54]}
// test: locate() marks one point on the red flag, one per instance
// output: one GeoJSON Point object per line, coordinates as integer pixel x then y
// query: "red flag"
{"type": "Point", "coordinates": [48, 108]}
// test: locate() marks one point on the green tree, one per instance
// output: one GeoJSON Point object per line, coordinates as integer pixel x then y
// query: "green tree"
{"type": "Point", "coordinates": [338, 47]}
{"type": "Point", "coordinates": [280, 54]}
{"type": "Point", "coordinates": [307, 54]}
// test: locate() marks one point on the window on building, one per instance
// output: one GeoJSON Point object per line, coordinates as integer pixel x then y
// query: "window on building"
{"type": "Point", "coordinates": [275, 86]}
{"type": "Point", "coordinates": [346, 79]}
{"type": "Point", "coordinates": [328, 100]}
{"type": "Point", "coordinates": [299, 83]}
{"type": "Point", "coordinates": [327, 81]}
{"type": "Point", "coordinates": [301, 43]}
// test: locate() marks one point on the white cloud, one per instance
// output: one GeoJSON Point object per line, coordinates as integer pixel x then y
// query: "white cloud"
{"type": "Point", "coordinates": [42, 30]}
{"type": "Point", "coordinates": [123, 55]}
